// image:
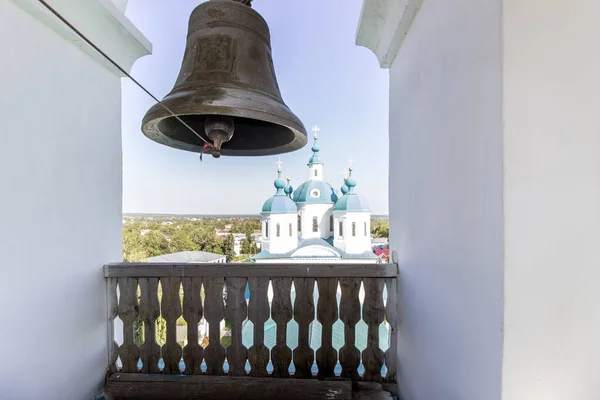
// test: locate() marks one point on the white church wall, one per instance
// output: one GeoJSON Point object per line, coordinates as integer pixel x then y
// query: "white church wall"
{"type": "Point", "coordinates": [446, 199]}
{"type": "Point", "coordinates": [284, 242]}
{"type": "Point", "coordinates": [61, 163]}
{"type": "Point", "coordinates": [359, 240]}
{"type": "Point", "coordinates": [322, 213]}
{"type": "Point", "coordinates": [339, 228]}
{"type": "Point", "coordinates": [494, 198]}
{"type": "Point", "coordinates": [315, 172]}
{"type": "Point", "coordinates": [347, 242]}
{"type": "Point", "coordinates": [121, 4]}
{"type": "Point", "coordinates": [102, 22]}
{"type": "Point", "coordinates": [551, 60]}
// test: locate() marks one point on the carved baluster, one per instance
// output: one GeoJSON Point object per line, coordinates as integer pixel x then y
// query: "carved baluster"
{"type": "Point", "coordinates": [281, 312]}
{"type": "Point", "coordinates": [327, 314]}
{"type": "Point", "coordinates": [391, 315]}
{"type": "Point", "coordinates": [214, 312]}
{"type": "Point", "coordinates": [171, 311]}
{"type": "Point", "coordinates": [192, 313]}
{"type": "Point", "coordinates": [149, 312]}
{"type": "Point", "coordinates": [373, 313]}
{"type": "Point", "coordinates": [258, 313]}
{"type": "Point", "coordinates": [236, 313]}
{"type": "Point", "coordinates": [304, 314]}
{"type": "Point", "coordinates": [128, 312]}
{"type": "Point", "coordinates": [112, 312]}
{"type": "Point", "coordinates": [350, 316]}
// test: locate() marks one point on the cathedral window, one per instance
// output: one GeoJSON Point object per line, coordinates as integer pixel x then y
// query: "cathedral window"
{"type": "Point", "coordinates": [341, 227]}
{"type": "Point", "coordinates": [315, 224]}
{"type": "Point", "coordinates": [315, 172]}
{"type": "Point", "coordinates": [278, 230]}
{"type": "Point", "coordinates": [354, 229]}
{"type": "Point", "coordinates": [299, 223]}
{"type": "Point", "coordinates": [290, 230]}
{"type": "Point", "coordinates": [365, 229]}
{"type": "Point", "coordinates": [331, 223]}
{"type": "Point", "coordinates": [267, 229]}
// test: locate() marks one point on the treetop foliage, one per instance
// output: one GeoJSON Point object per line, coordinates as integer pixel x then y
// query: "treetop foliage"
{"type": "Point", "coordinates": [149, 237]}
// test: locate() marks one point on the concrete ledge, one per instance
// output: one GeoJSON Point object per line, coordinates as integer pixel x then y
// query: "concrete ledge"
{"type": "Point", "coordinates": [102, 22]}
{"type": "Point", "coordinates": [383, 25]}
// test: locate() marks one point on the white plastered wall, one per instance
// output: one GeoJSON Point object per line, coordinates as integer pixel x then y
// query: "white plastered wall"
{"type": "Point", "coordinates": [285, 242]}
{"type": "Point", "coordinates": [551, 200]}
{"type": "Point", "coordinates": [121, 4]}
{"type": "Point", "coordinates": [494, 196]}
{"type": "Point", "coordinates": [446, 214]}
{"type": "Point", "coordinates": [60, 163]}
{"type": "Point", "coordinates": [348, 243]}
{"type": "Point", "coordinates": [322, 212]}
{"type": "Point", "coordinates": [315, 172]}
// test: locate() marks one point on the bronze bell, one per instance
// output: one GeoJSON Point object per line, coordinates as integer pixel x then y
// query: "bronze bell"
{"type": "Point", "coordinates": [226, 90]}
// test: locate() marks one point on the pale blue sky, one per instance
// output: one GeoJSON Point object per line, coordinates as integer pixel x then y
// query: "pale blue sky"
{"type": "Point", "coordinates": [324, 78]}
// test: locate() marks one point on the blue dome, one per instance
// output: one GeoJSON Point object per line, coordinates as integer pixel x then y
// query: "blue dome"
{"type": "Point", "coordinates": [288, 188]}
{"type": "Point", "coordinates": [314, 159]}
{"type": "Point", "coordinates": [279, 204]}
{"type": "Point", "coordinates": [351, 202]}
{"type": "Point", "coordinates": [345, 189]}
{"type": "Point", "coordinates": [279, 183]}
{"type": "Point", "coordinates": [323, 191]}
{"type": "Point", "coordinates": [349, 182]}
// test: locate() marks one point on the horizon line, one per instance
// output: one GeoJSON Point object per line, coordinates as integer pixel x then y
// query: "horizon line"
{"type": "Point", "coordinates": [212, 215]}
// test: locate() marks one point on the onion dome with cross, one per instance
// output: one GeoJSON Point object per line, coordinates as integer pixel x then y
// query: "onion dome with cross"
{"type": "Point", "coordinates": [351, 201]}
{"type": "Point", "coordinates": [315, 190]}
{"type": "Point", "coordinates": [279, 203]}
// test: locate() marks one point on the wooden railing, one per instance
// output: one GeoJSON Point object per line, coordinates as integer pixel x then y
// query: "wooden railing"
{"type": "Point", "coordinates": [142, 294]}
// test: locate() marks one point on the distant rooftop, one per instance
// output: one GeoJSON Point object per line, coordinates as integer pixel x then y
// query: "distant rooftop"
{"type": "Point", "coordinates": [379, 240]}
{"type": "Point", "coordinates": [187, 256]}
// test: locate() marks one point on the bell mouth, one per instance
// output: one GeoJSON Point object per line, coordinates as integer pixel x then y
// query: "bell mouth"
{"type": "Point", "coordinates": [251, 137]}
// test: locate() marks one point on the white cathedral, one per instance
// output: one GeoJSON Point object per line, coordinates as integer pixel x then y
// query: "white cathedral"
{"type": "Point", "coordinates": [315, 223]}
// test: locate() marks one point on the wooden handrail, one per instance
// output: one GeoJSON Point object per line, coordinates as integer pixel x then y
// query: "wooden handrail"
{"type": "Point", "coordinates": [153, 270]}
{"type": "Point", "coordinates": [311, 295]}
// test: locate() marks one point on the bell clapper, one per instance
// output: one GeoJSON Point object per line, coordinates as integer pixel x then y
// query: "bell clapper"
{"type": "Point", "coordinates": [219, 129]}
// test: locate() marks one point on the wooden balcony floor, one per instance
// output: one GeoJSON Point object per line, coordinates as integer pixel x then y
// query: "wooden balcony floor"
{"type": "Point", "coordinates": [121, 386]}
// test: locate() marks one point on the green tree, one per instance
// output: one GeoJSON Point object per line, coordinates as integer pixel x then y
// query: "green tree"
{"type": "Point", "coordinates": [227, 247]}
{"type": "Point", "coordinates": [151, 236]}
{"type": "Point", "coordinates": [249, 245]}
{"type": "Point", "coordinates": [245, 247]}
{"type": "Point", "coordinates": [133, 249]}
{"type": "Point", "coordinates": [180, 241]}
{"type": "Point", "coordinates": [380, 228]}
{"type": "Point", "coordinates": [155, 243]}
{"type": "Point", "coordinates": [252, 224]}
{"type": "Point", "coordinates": [205, 239]}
